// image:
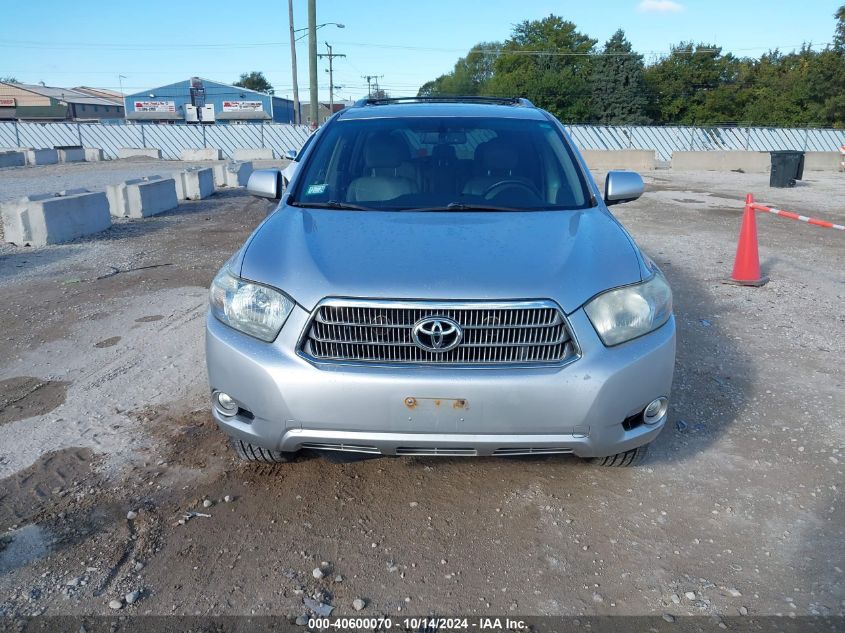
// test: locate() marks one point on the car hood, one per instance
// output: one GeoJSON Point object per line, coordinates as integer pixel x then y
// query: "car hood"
{"type": "Point", "coordinates": [566, 256]}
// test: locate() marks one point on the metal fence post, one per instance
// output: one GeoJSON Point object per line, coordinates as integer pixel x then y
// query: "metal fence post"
{"type": "Point", "coordinates": [143, 136]}
{"type": "Point", "coordinates": [203, 136]}
{"type": "Point", "coordinates": [806, 137]}
{"type": "Point", "coordinates": [79, 133]}
{"type": "Point", "coordinates": [262, 134]}
{"type": "Point", "coordinates": [17, 134]}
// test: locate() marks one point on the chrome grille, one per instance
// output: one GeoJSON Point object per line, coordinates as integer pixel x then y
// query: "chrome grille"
{"type": "Point", "coordinates": [528, 332]}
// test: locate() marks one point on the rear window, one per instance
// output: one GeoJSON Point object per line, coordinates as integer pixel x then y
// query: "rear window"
{"type": "Point", "coordinates": [419, 163]}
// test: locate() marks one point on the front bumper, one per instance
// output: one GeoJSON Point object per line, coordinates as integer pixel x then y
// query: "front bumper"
{"type": "Point", "coordinates": [576, 408]}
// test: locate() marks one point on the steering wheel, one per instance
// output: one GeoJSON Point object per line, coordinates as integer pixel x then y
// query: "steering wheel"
{"type": "Point", "coordinates": [496, 188]}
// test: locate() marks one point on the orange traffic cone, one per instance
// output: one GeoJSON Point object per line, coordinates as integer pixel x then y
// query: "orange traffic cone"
{"type": "Point", "coordinates": [747, 264]}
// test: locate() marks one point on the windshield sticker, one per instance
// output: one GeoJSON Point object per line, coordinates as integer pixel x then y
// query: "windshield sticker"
{"type": "Point", "coordinates": [315, 190]}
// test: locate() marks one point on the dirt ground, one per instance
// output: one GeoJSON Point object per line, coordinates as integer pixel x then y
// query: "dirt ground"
{"type": "Point", "coordinates": [738, 511]}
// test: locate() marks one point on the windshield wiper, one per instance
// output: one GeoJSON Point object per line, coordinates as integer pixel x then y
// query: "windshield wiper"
{"type": "Point", "coordinates": [331, 204]}
{"type": "Point", "coordinates": [460, 206]}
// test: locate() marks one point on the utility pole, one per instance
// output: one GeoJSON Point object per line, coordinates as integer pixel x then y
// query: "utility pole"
{"type": "Point", "coordinates": [297, 115]}
{"type": "Point", "coordinates": [331, 56]}
{"type": "Point", "coordinates": [370, 79]}
{"type": "Point", "coordinates": [312, 61]}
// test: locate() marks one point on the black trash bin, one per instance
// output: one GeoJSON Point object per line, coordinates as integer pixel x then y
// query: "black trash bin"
{"type": "Point", "coordinates": [787, 167]}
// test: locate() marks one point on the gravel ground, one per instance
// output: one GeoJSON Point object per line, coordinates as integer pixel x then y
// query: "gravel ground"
{"type": "Point", "coordinates": [110, 453]}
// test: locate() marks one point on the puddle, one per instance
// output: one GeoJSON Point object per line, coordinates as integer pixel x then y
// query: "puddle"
{"type": "Point", "coordinates": [109, 342]}
{"type": "Point", "coordinates": [149, 319]}
{"type": "Point", "coordinates": [45, 487]}
{"type": "Point", "coordinates": [24, 397]}
{"type": "Point", "coordinates": [23, 546]}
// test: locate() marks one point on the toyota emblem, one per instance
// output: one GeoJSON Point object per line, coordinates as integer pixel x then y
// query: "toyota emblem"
{"type": "Point", "coordinates": [437, 334]}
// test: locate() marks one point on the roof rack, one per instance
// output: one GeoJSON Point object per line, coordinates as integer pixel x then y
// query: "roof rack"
{"type": "Point", "coordinates": [520, 101]}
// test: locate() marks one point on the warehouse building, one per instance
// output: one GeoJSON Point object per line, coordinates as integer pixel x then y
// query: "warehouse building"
{"type": "Point", "coordinates": [34, 102]}
{"type": "Point", "coordinates": [203, 101]}
{"type": "Point", "coordinates": [113, 96]}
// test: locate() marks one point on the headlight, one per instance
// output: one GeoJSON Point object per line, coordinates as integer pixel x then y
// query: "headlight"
{"type": "Point", "coordinates": [625, 313]}
{"type": "Point", "coordinates": [251, 308]}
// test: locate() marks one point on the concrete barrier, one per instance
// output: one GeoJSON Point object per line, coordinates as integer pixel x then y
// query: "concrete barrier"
{"type": "Point", "coordinates": [237, 174]}
{"type": "Point", "coordinates": [179, 181]}
{"type": "Point", "coordinates": [54, 218]}
{"type": "Point", "coordinates": [748, 162]}
{"type": "Point", "coordinates": [822, 161]}
{"type": "Point", "coordinates": [142, 197]}
{"type": "Point", "coordinates": [219, 172]}
{"type": "Point", "coordinates": [93, 154]}
{"type": "Point", "coordinates": [195, 183]}
{"type": "Point", "coordinates": [264, 153]}
{"type": "Point", "coordinates": [12, 159]}
{"type": "Point", "coordinates": [151, 196]}
{"type": "Point", "coordinates": [116, 196]}
{"type": "Point", "coordinates": [205, 153]}
{"type": "Point", "coordinates": [76, 155]}
{"type": "Point", "coordinates": [233, 174]}
{"type": "Point", "coordinates": [134, 152]}
{"type": "Point", "coordinates": [44, 156]}
{"type": "Point", "coordinates": [631, 159]}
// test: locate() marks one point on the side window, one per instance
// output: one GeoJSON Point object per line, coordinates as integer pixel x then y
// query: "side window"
{"type": "Point", "coordinates": [563, 186]}
{"type": "Point", "coordinates": [328, 182]}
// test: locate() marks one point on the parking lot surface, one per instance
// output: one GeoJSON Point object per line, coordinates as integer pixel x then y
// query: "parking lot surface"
{"type": "Point", "coordinates": [104, 412]}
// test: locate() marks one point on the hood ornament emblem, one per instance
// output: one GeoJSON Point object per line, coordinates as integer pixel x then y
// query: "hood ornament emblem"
{"type": "Point", "coordinates": [437, 334]}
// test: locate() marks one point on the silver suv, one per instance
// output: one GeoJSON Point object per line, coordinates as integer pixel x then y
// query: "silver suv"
{"type": "Point", "coordinates": [441, 277]}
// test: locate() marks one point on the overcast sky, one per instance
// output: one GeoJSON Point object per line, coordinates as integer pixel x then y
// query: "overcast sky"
{"type": "Point", "coordinates": [155, 42]}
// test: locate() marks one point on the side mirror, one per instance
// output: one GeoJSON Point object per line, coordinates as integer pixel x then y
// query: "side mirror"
{"type": "Point", "coordinates": [290, 154]}
{"type": "Point", "coordinates": [265, 183]}
{"type": "Point", "coordinates": [622, 186]}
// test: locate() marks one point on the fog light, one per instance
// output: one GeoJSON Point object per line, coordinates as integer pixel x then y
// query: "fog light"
{"type": "Point", "coordinates": [655, 410]}
{"type": "Point", "coordinates": [225, 404]}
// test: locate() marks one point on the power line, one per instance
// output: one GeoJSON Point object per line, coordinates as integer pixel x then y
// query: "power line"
{"type": "Point", "coordinates": [330, 55]}
{"type": "Point", "coordinates": [490, 51]}
{"type": "Point", "coordinates": [370, 80]}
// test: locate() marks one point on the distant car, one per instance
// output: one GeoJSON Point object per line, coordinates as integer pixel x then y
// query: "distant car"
{"type": "Point", "coordinates": [443, 277]}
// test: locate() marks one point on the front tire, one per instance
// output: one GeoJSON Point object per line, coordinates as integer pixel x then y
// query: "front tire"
{"type": "Point", "coordinates": [252, 453]}
{"type": "Point", "coordinates": [633, 457]}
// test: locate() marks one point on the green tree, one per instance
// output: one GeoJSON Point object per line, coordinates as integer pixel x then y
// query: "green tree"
{"type": "Point", "coordinates": [547, 61]}
{"type": "Point", "coordinates": [839, 33]}
{"type": "Point", "coordinates": [255, 81]}
{"type": "Point", "coordinates": [695, 85]}
{"type": "Point", "coordinates": [470, 74]}
{"type": "Point", "coordinates": [803, 88]}
{"type": "Point", "coordinates": [9, 80]}
{"type": "Point", "coordinates": [553, 64]}
{"type": "Point", "coordinates": [618, 88]}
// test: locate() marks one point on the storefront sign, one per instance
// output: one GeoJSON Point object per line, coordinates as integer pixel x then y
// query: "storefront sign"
{"type": "Point", "coordinates": [243, 106]}
{"type": "Point", "coordinates": [155, 106]}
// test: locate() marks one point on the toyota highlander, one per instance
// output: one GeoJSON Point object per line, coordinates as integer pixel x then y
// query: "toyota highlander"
{"type": "Point", "coordinates": [441, 277]}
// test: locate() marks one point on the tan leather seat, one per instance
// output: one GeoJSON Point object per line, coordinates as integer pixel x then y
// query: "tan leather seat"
{"type": "Point", "coordinates": [385, 159]}
{"type": "Point", "coordinates": [499, 161]}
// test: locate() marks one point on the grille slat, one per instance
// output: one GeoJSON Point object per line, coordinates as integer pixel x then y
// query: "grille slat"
{"type": "Point", "coordinates": [522, 333]}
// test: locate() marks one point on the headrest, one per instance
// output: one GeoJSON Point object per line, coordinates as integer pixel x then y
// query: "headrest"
{"type": "Point", "coordinates": [444, 152]}
{"type": "Point", "coordinates": [497, 155]}
{"type": "Point", "coordinates": [384, 150]}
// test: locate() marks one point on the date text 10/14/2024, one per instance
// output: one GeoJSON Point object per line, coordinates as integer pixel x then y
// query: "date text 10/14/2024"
{"type": "Point", "coordinates": [417, 624]}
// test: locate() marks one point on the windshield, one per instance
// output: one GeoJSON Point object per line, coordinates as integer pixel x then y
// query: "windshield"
{"type": "Point", "coordinates": [442, 163]}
